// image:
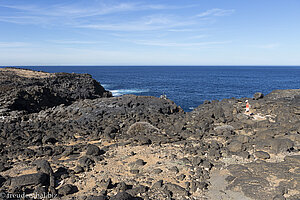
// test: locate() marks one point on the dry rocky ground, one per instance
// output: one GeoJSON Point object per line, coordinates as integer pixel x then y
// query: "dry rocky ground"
{"type": "Point", "coordinates": [64, 135]}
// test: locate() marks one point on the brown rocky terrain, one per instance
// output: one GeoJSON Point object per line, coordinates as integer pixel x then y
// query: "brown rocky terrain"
{"type": "Point", "coordinates": [63, 135]}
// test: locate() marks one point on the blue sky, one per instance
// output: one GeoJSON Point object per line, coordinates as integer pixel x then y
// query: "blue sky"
{"type": "Point", "coordinates": [157, 32]}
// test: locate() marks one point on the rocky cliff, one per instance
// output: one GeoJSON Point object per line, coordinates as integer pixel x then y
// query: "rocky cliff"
{"type": "Point", "coordinates": [135, 147]}
{"type": "Point", "coordinates": [32, 91]}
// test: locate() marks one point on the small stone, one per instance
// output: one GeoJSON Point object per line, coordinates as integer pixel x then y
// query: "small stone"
{"type": "Point", "coordinates": [105, 183]}
{"type": "Point", "coordinates": [262, 155]}
{"type": "Point", "coordinates": [121, 187]}
{"type": "Point", "coordinates": [174, 169]}
{"type": "Point", "coordinates": [78, 170]}
{"type": "Point", "coordinates": [235, 146]}
{"type": "Point", "coordinates": [86, 162]}
{"type": "Point", "coordinates": [157, 171]}
{"type": "Point", "coordinates": [96, 198]}
{"type": "Point", "coordinates": [181, 177]}
{"type": "Point", "coordinates": [158, 184]}
{"type": "Point", "coordinates": [140, 162]}
{"type": "Point", "coordinates": [134, 171]}
{"type": "Point", "coordinates": [279, 197]}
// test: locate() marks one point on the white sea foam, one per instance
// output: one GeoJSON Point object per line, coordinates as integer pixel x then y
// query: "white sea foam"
{"type": "Point", "coordinates": [105, 85]}
{"type": "Point", "coordinates": [127, 91]}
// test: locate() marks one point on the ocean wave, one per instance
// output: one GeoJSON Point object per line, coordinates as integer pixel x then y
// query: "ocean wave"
{"type": "Point", "coordinates": [106, 86]}
{"type": "Point", "coordinates": [121, 92]}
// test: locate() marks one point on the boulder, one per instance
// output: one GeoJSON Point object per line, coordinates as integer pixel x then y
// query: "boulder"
{"type": "Point", "coordinates": [67, 189]}
{"type": "Point", "coordinates": [96, 198]}
{"type": "Point", "coordinates": [258, 95]}
{"type": "Point", "coordinates": [86, 162]}
{"type": "Point", "coordinates": [93, 150]}
{"type": "Point", "coordinates": [43, 166]}
{"type": "Point", "coordinates": [30, 179]}
{"type": "Point", "coordinates": [122, 196]}
{"type": "Point", "coordinates": [176, 189]}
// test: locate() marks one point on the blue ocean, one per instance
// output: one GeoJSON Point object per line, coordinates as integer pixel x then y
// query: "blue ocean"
{"type": "Point", "coordinates": [189, 86]}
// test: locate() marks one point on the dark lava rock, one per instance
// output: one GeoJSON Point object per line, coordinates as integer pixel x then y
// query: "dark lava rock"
{"type": "Point", "coordinates": [157, 171]}
{"type": "Point", "coordinates": [279, 197]}
{"type": "Point", "coordinates": [293, 159]}
{"type": "Point", "coordinates": [2, 167]}
{"type": "Point", "coordinates": [34, 91]}
{"type": "Point", "coordinates": [93, 150]}
{"type": "Point", "coordinates": [43, 166]}
{"type": "Point", "coordinates": [96, 198]}
{"type": "Point", "coordinates": [157, 185]}
{"type": "Point", "coordinates": [67, 189]}
{"type": "Point", "coordinates": [78, 170]}
{"type": "Point", "coordinates": [137, 190]}
{"type": "Point", "coordinates": [2, 180]}
{"type": "Point", "coordinates": [86, 162]}
{"type": "Point", "coordinates": [140, 162]}
{"type": "Point", "coordinates": [281, 145]}
{"type": "Point", "coordinates": [40, 191]}
{"type": "Point", "coordinates": [122, 196]}
{"type": "Point", "coordinates": [134, 171]}
{"type": "Point", "coordinates": [121, 187]}
{"type": "Point", "coordinates": [262, 155]}
{"type": "Point", "coordinates": [176, 189]}
{"type": "Point", "coordinates": [258, 95]}
{"type": "Point", "coordinates": [283, 94]}
{"type": "Point", "coordinates": [235, 146]}
{"type": "Point", "coordinates": [174, 169]}
{"type": "Point", "coordinates": [49, 140]}
{"type": "Point", "coordinates": [30, 179]}
{"type": "Point", "coordinates": [106, 183]}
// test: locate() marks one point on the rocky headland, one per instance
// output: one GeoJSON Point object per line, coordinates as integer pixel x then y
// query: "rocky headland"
{"type": "Point", "coordinates": [65, 137]}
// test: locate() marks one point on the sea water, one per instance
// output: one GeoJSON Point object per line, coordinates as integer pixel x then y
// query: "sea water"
{"type": "Point", "coordinates": [189, 86]}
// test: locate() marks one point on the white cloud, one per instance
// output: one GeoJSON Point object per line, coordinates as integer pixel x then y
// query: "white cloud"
{"type": "Point", "coordinates": [216, 12]}
{"type": "Point", "coordinates": [13, 44]}
{"type": "Point", "coordinates": [269, 46]}
{"type": "Point", "coordinates": [75, 42]}
{"type": "Point", "coordinates": [177, 44]}
{"type": "Point", "coordinates": [94, 8]}
{"type": "Point", "coordinates": [266, 46]}
{"type": "Point", "coordinates": [146, 23]}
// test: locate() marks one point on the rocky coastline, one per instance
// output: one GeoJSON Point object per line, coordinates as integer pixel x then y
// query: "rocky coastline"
{"type": "Point", "coordinates": [65, 137]}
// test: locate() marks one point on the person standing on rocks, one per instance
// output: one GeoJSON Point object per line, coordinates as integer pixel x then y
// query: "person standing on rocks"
{"type": "Point", "coordinates": [247, 107]}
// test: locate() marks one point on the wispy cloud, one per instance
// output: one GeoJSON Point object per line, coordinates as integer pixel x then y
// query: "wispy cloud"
{"type": "Point", "coordinates": [75, 42]}
{"type": "Point", "coordinates": [181, 30]}
{"type": "Point", "coordinates": [96, 15]}
{"type": "Point", "coordinates": [94, 8]}
{"type": "Point", "coordinates": [13, 44]}
{"type": "Point", "coordinates": [266, 46]}
{"type": "Point", "coordinates": [177, 44]}
{"type": "Point", "coordinates": [146, 23]}
{"type": "Point", "coordinates": [217, 12]}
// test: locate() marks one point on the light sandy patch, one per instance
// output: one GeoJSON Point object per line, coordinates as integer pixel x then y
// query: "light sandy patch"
{"type": "Point", "coordinates": [28, 73]}
{"type": "Point", "coordinates": [217, 189]}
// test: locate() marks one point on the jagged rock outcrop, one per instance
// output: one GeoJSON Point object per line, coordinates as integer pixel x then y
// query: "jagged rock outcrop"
{"type": "Point", "coordinates": [31, 91]}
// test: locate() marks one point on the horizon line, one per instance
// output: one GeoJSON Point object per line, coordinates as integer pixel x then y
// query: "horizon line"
{"type": "Point", "coordinates": [3, 66]}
